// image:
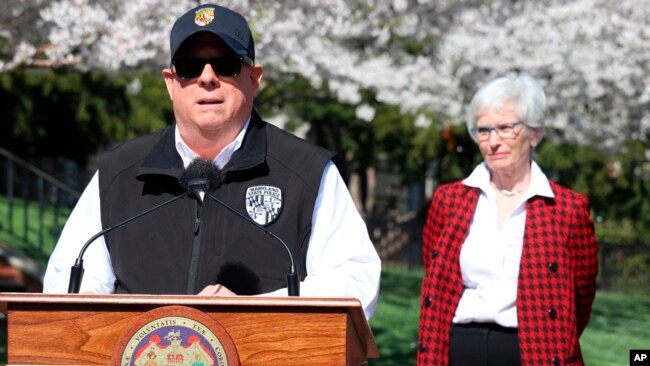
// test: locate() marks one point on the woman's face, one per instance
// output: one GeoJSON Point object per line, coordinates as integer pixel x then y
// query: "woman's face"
{"type": "Point", "coordinates": [506, 149]}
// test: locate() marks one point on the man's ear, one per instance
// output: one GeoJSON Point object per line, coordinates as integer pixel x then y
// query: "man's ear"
{"type": "Point", "coordinates": [168, 76]}
{"type": "Point", "coordinates": [256, 76]}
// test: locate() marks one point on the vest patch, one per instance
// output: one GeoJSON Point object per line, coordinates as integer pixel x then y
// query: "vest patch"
{"type": "Point", "coordinates": [263, 203]}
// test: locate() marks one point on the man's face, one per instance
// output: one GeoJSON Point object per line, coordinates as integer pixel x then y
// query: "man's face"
{"type": "Point", "coordinates": [211, 104]}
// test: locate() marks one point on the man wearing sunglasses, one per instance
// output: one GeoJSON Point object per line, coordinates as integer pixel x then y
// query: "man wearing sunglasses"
{"type": "Point", "coordinates": [195, 245]}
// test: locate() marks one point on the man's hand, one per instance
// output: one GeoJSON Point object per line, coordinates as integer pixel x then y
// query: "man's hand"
{"type": "Point", "coordinates": [216, 290]}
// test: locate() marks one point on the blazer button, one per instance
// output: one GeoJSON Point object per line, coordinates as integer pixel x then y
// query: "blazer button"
{"type": "Point", "coordinates": [553, 267]}
{"type": "Point", "coordinates": [423, 348]}
{"type": "Point", "coordinates": [556, 361]}
{"type": "Point", "coordinates": [434, 253]}
{"type": "Point", "coordinates": [427, 301]}
{"type": "Point", "coordinates": [552, 313]}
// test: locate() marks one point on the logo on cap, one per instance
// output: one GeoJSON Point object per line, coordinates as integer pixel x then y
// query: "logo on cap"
{"type": "Point", "coordinates": [204, 16]}
{"type": "Point", "coordinates": [263, 203]}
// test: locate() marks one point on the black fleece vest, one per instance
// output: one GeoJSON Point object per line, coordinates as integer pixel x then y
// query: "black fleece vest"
{"type": "Point", "coordinates": [151, 255]}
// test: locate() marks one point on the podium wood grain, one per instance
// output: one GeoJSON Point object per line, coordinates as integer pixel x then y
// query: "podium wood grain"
{"type": "Point", "coordinates": [83, 329]}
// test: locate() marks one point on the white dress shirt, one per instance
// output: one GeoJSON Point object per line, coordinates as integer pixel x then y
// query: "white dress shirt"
{"type": "Point", "coordinates": [341, 259]}
{"type": "Point", "coordinates": [490, 257]}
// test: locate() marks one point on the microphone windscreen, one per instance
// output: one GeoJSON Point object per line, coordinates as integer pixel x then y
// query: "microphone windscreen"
{"type": "Point", "coordinates": [202, 169]}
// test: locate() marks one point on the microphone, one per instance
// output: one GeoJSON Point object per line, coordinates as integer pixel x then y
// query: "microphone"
{"type": "Point", "coordinates": [203, 173]}
{"type": "Point", "coordinates": [77, 270]}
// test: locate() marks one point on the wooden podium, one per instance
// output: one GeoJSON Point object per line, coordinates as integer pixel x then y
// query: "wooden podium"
{"type": "Point", "coordinates": [95, 329]}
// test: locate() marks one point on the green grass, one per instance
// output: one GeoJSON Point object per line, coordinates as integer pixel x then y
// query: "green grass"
{"type": "Point", "coordinates": [14, 236]}
{"type": "Point", "coordinates": [618, 323]}
{"type": "Point", "coordinates": [395, 322]}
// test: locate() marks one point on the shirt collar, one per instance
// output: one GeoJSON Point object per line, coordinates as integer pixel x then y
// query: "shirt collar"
{"type": "Point", "coordinates": [221, 159]}
{"type": "Point", "coordinates": [539, 185]}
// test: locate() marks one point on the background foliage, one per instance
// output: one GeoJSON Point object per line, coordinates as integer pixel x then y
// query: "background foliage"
{"type": "Point", "coordinates": [74, 115]}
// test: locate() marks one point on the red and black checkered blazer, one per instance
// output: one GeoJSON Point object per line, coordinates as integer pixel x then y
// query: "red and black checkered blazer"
{"type": "Point", "coordinates": [557, 274]}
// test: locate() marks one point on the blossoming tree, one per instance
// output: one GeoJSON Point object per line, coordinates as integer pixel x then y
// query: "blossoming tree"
{"type": "Point", "coordinates": [426, 56]}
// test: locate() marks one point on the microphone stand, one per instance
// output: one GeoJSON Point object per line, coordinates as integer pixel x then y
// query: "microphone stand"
{"type": "Point", "coordinates": [293, 283]}
{"type": "Point", "coordinates": [77, 270]}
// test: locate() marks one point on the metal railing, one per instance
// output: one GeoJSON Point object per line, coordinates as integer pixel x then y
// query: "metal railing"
{"type": "Point", "coordinates": [37, 204]}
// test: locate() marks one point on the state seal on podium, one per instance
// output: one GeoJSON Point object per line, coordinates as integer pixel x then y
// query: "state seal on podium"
{"type": "Point", "coordinates": [175, 335]}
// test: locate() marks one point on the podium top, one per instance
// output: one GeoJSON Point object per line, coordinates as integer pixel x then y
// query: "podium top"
{"type": "Point", "coordinates": [187, 300]}
{"type": "Point", "coordinates": [10, 303]}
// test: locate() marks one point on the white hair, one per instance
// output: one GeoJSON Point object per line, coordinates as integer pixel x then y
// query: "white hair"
{"type": "Point", "coordinates": [524, 91]}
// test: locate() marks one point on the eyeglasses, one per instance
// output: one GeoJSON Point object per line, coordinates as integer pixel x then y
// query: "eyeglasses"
{"type": "Point", "coordinates": [504, 131]}
{"type": "Point", "coordinates": [225, 66]}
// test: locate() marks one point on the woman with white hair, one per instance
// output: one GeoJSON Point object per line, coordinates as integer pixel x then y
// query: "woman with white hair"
{"type": "Point", "coordinates": [510, 257]}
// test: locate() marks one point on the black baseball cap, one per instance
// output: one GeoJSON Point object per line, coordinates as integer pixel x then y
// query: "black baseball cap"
{"type": "Point", "coordinates": [228, 25]}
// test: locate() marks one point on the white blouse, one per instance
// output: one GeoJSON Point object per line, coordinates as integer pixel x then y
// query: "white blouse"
{"type": "Point", "coordinates": [490, 257]}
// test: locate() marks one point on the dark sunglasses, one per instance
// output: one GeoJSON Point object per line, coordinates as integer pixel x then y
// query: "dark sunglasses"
{"type": "Point", "coordinates": [192, 67]}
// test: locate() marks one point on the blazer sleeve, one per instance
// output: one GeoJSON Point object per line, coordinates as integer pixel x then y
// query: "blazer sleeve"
{"type": "Point", "coordinates": [584, 260]}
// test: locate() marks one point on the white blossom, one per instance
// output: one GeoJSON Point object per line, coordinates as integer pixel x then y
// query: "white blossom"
{"type": "Point", "coordinates": [425, 56]}
{"type": "Point", "coordinates": [365, 112]}
{"type": "Point", "coordinates": [422, 121]}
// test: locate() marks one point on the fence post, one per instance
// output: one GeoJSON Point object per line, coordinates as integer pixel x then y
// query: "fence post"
{"type": "Point", "coordinates": [25, 191]}
{"type": "Point", "coordinates": [41, 211]}
{"type": "Point", "coordinates": [604, 276]}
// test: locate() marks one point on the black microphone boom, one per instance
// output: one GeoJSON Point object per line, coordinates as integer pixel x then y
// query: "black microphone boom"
{"type": "Point", "coordinates": [200, 175]}
{"type": "Point", "coordinates": [212, 177]}
{"type": "Point", "coordinates": [195, 177]}
{"type": "Point", "coordinates": [77, 270]}
{"type": "Point", "coordinates": [293, 283]}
